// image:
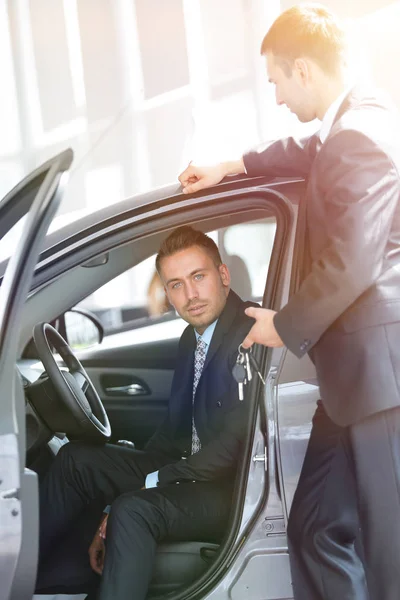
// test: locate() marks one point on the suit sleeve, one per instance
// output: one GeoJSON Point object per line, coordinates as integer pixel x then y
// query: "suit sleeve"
{"type": "Point", "coordinates": [287, 157]}
{"type": "Point", "coordinates": [360, 190]}
{"type": "Point", "coordinates": [218, 458]}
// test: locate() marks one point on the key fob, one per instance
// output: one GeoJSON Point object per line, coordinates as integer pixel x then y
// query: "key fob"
{"type": "Point", "coordinates": [239, 372]}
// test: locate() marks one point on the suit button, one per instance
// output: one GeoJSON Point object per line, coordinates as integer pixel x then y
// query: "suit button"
{"type": "Point", "coordinates": [219, 404]}
{"type": "Point", "coordinates": [302, 347]}
{"type": "Point", "coordinates": [307, 343]}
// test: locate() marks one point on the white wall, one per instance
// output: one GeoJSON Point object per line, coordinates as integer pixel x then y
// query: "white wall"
{"type": "Point", "coordinates": [136, 87]}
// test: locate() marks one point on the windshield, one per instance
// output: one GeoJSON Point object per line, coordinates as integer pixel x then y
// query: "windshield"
{"type": "Point", "coordinates": [14, 208]}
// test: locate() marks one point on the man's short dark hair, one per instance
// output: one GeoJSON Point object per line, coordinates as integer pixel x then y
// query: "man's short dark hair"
{"type": "Point", "coordinates": [186, 237]}
{"type": "Point", "coordinates": [308, 30]}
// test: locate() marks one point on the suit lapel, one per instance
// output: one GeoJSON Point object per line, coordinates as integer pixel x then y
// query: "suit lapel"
{"type": "Point", "coordinates": [301, 242]}
{"type": "Point", "coordinates": [224, 324]}
{"type": "Point", "coordinates": [304, 260]}
{"type": "Point", "coordinates": [353, 98]}
{"type": "Point", "coordinates": [183, 378]}
{"type": "Point", "coordinates": [188, 351]}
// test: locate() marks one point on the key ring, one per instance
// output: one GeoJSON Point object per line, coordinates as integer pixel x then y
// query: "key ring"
{"type": "Point", "coordinates": [241, 352]}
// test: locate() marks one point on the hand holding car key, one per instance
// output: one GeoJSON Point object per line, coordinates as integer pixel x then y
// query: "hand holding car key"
{"type": "Point", "coordinates": [242, 369]}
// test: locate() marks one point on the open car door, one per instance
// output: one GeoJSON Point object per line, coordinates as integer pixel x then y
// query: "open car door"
{"type": "Point", "coordinates": [35, 200]}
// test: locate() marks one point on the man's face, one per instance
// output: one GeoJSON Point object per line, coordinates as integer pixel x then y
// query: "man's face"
{"type": "Point", "coordinates": [195, 287]}
{"type": "Point", "coordinates": [294, 89]}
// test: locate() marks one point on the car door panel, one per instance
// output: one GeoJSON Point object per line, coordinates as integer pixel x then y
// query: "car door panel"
{"type": "Point", "coordinates": [133, 417]}
{"type": "Point", "coordinates": [134, 384]}
{"type": "Point", "coordinates": [159, 354]}
{"type": "Point", "coordinates": [297, 396]}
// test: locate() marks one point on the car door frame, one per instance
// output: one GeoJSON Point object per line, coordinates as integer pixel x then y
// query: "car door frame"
{"type": "Point", "coordinates": [164, 215]}
{"type": "Point", "coordinates": [297, 392]}
{"type": "Point", "coordinates": [18, 486]}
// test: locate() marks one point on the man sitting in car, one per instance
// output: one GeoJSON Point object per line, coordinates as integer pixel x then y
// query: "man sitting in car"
{"type": "Point", "coordinates": [196, 447]}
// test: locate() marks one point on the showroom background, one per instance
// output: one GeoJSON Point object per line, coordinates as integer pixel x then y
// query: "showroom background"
{"type": "Point", "coordinates": [138, 87]}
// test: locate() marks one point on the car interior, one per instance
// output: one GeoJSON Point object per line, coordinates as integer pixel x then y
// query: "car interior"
{"type": "Point", "coordinates": [130, 372]}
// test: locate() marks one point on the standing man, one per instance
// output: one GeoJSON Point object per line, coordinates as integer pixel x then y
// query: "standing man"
{"type": "Point", "coordinates": [346, 313]}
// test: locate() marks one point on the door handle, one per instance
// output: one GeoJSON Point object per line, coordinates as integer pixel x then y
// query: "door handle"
{"type": "Point", "coordinates": [134, 389]}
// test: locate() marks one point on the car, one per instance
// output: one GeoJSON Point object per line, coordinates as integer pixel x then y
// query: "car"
{"type": "Point", "coordinates": [122, 361]}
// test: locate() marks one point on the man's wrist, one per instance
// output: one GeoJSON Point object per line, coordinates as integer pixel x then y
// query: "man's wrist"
{"type": "Point", "coordinates": [234, 167]}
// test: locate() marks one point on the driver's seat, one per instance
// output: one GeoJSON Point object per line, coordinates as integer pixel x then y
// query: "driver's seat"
{"type": "Point", "coordinates": [179, 564]}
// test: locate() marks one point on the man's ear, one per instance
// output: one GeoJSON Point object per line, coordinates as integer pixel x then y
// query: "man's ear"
{"type": "Point", "coordinates": [301, 68]}
{"type": "Point", "coordinates": [225, 275]}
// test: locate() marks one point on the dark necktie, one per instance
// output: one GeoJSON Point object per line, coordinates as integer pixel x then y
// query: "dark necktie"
{"type": "Point", "coordinates": [199, 359]}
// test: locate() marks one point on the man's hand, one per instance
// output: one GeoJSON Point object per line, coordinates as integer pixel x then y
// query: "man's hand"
{"type": "Point", "coordinates": [195, 178]}
{"type": "Point", "coordinates": [263, 330]}
{"type": "Point", "coordinates": [97, 549]}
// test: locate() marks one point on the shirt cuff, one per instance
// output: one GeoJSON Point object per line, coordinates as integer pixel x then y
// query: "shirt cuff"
{"type": "Point", "coordinates": [151, 480]}
{"type": "Point", "coordinates": [107, 509]}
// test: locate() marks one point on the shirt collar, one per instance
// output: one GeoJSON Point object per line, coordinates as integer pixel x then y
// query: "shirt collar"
{"type": "Point", "coordinates": [207, 335]}
{"type": "Point", "coordinates": [330, 115]}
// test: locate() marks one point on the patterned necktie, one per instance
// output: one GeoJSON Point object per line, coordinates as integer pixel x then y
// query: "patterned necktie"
{"type": "Point", "coordinates": [199, 359]}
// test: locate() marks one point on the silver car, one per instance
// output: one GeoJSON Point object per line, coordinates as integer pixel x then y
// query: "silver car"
{"type": "Point", "coordinates": [127, 355]}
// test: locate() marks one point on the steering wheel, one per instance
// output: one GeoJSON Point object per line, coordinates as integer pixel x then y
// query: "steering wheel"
{"type": "Point", "coordinates": [73, 386]}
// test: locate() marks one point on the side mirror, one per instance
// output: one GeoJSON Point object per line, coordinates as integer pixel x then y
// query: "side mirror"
{"type": "Point", "coordinates": [82, 329]}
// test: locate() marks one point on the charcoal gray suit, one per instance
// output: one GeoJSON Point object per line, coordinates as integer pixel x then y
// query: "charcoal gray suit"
{"type": "Point", "coordinates": [346, 315]}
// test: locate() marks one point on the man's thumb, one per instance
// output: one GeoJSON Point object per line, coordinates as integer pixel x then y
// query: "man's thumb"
{"type": "Point", "coordinates": [193, 187]}
{"type": "Point", "coordinates": [251, 312]}
{"type": "Point", "coordinates": [247, 342]}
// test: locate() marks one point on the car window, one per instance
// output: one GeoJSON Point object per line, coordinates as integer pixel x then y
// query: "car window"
{"type": "Point", "coordinates": [252, 243]}
{"type": "Point", "coordinates": [136, 297]}
{"type": "Point", "coordinates": [9, 242]}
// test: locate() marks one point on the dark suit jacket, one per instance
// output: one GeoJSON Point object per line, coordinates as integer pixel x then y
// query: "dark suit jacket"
{"type": "Point", "coordinates": [219, 415]}
{"type": "Point", "coordinates": [347, 310]}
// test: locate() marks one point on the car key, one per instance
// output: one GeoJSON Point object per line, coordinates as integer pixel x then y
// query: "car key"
{"type": "Point", "coordinates": [239, 373]}
{"type": "Point", "coordinates": [255, 364]}
{"type": "Point", "coordinates": [248, 366]}
{"type": "Point", "coordinates": [246, 352]}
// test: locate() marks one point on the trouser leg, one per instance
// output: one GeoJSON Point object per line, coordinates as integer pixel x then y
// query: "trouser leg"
{"type": "Point", "coordinates": [81, 474]}
{"type": "Point", "coordinates": [376, 449]}
{"type": "Point", "coordinates": [138, 521]}
{"type": "Point", "coordinates": [66, 569]}
{"type": "Point", "coordinates": [323, 523]}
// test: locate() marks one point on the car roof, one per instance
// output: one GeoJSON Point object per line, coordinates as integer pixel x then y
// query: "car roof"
{"type": "Point", "coordinates": [90, 222]}
{"type": "Point", "coordinates": [165, 194]}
